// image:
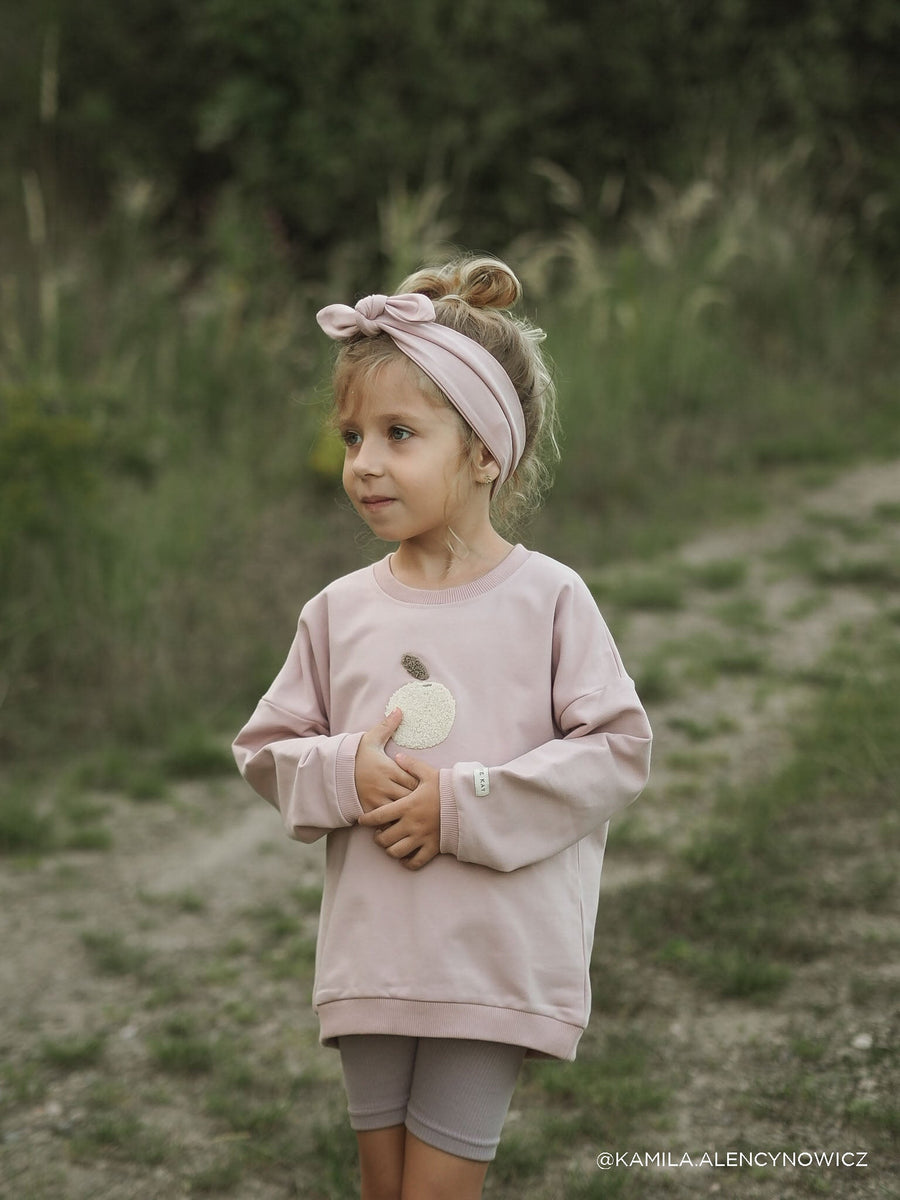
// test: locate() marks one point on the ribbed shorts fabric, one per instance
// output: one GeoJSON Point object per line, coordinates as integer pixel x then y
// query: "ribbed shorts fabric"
{"type": "Point", "coordinates": [451, 1093]}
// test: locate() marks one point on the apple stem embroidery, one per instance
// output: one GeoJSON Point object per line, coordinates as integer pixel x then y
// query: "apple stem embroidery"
{"type": "Point", "coordinates": [428, 708]}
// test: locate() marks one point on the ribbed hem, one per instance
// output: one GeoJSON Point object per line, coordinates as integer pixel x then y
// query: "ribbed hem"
{"type": "Point", "coordinates": [441, 1139]}
{"type": "Point", "coordinates": [454, 595]}
{"type": "Point", "coordinates": [542, 1036]}
{"type": "Point", "coordinates": [449, 814]}
{"type": "Point", "coordinates": [345, 779]}
{"type": "Point", "coordinates": [385, 1119]}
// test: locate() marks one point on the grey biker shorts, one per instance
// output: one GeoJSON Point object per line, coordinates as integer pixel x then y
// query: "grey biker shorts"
{"type": "Point", "coordinates": [450, 1093]}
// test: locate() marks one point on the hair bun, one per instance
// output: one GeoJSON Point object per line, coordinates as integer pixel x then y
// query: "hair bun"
{"type": "Point", "coordinates": [480, 282]}
{"type": "Point", "coordinates": [488, 283]}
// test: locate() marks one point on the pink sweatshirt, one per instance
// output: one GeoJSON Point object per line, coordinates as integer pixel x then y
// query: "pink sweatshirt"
{"type": "Point", "coordinates": [539, 737]}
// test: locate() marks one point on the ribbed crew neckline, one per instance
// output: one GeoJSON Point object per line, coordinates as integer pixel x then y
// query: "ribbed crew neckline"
{"type": "Point", "coordinates": [452, 595]}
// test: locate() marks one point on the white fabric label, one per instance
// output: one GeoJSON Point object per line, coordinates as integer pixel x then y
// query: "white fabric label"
{"type": "Point", "coordinates": [482, 781]}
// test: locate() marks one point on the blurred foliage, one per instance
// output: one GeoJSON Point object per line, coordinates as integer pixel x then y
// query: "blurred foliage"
{"type": "Point", "coordinates": [143, 414]}
{"type": "Point", "coordinates": [702, 201]}
{"type": "Point", "coordinates": [314, 112]}
{"type": "Point", "coordinates": [48, 468]}
{"type": "Point", "coordinates": [168, 498]}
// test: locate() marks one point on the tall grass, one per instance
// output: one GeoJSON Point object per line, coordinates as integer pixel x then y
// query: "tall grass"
{"type": "Point", "coordinates": [732, 332]}
{"type": "Point", "coordinates": [154, 425]}
{"type": "Point", "coordinates": [167, 499]}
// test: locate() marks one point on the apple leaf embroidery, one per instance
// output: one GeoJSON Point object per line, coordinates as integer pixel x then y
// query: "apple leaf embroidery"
{"type": "Point", "coordinates": [414, 666]}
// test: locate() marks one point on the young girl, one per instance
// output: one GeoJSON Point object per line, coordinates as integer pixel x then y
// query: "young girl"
{"type": "Point", "coordinates": [456, 719]}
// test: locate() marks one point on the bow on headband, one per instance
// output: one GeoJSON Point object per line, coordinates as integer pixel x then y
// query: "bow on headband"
{"type": "Point", "coordinates": [469, 376]}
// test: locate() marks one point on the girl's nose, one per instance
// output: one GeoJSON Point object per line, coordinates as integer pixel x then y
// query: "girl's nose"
{"type": "Point", "coordinates": [365, 460]}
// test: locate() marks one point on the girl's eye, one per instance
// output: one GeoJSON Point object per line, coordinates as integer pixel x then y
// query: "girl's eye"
{"type": "Point", "coordinates": [398, 434]}
{"type": "Point", "coordinates": [350, 437]}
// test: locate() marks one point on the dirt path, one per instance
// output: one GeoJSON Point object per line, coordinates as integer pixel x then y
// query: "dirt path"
{"type": "Point", "coordinates": [185, 877]}
{"type": "Point", "coordinates": [779, 618]}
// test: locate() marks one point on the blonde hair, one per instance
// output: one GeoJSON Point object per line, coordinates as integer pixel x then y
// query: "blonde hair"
{"type": "Point", "coordinates": [473, 295]}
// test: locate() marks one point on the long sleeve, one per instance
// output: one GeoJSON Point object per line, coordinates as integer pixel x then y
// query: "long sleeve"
{"type": "Point", "coordinates": [532, 807]}
{"type": "Point", "coordinates": [287, 752]}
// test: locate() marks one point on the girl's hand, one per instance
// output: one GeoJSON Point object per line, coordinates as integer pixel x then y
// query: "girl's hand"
{"type": "Point", "coordinates": [410, 828]}
{"type": "Point", "coordinates": [379, 779]}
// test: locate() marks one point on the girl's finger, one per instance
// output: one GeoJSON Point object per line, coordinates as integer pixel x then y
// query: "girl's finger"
{"type": "Point", "coordinates": [387, 838]}
{"type": "Point", "coordinates": [384, 731]}
{"type": "Point", "coordinates": [418, 859]}
{"type": "Point", "coordinates": [385, 814]}
{"type": "Point", "coordinates": [418, 770]}
{"type": "Point", "coordinates": [380, 734]}
{"type": "Point", "coordinates": [408, 782]}
{"type": "Point", "coordinates": [403, 849]}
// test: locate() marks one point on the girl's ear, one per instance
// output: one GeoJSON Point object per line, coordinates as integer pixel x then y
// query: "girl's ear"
{"type": "Point", "coordinates": [486, 466]}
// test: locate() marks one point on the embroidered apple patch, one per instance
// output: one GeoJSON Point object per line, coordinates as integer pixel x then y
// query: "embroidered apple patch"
{"type": "Point", "coordinates": [428, 708]}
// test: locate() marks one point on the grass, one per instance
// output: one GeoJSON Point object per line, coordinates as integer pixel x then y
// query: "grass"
{"type": "Point", "coordinates": [23, 1083]}
{"type": "Point", "coordinates": [866, 573]}
{"type": "Point", "coordinates": [701, 659]}
{"type": "Point", "coordinates": [187, 901]}
{"type": "Point", "coordinates": [35, 821]}
{"type": "Point", "coordinates": [122, 769]}
{"type": "Point", "coordinates": [194, 754]}
{"type": "Point", "coordinates": [146, 772]}
{"type": "Point", "coordinates": [111, 953]}
{"type": "Point", "coordinates": [737, 914]}
{"type": "Point", "coordinates": [24, 830]}
{"type": "Point", "coordinates": [657, 680]}
{"type": "Point", "coordinates": [887, 511]}
{"type": "Point", "coordinates": [73, 1053]}
{"type": "Point", "coordinates": [735, 658]}
{"type": "Point", "coordinates": [221, 1177]}
{"type": "Point", "coordinates": [181, 1048]}
{"type": "Point", "coordinates": [605, 1090]}
{"type": "Point", "coordinates": [719, 575]}
{"type": "Point", "coordinates": [646, 592]}
{"type": "Point", "coordinates": [701, 731]}
{"type": "Point", "coordinates": [121, 1135]}
{"type": "Point", "coordinates": [744, 613]}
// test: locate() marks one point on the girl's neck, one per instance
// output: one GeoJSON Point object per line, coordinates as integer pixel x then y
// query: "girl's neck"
{"type": "Point", "coordinates": [450, 563]}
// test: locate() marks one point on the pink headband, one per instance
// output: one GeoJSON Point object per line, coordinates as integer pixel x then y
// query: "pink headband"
{"type": "Point", "coordinates": [469, 376]}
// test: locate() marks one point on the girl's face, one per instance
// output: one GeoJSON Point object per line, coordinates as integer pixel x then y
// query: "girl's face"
{"type": "Point", "coordinates": [406, 468]}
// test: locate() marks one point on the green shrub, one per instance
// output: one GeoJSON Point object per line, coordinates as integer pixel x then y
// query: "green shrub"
{"type": "Point", "coordinates": [23, 828]}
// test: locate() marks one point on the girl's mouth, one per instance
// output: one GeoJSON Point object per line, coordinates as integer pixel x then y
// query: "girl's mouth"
{"type": "Point", "coordinates": [376, 503]}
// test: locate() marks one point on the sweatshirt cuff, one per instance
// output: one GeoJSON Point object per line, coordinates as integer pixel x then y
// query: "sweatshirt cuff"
{"type": "Point", "coordinates": [449, 815]}
{"type": "Point", "coordinates": [345, 779]}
